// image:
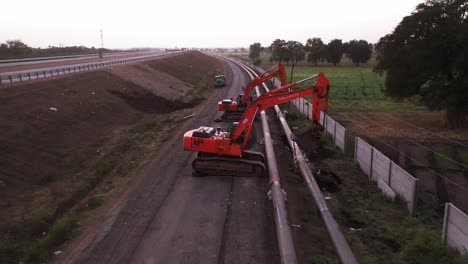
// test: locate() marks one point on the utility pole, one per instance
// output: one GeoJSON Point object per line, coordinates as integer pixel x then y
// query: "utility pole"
{"type": "Point", "coordinates": [101, 50]}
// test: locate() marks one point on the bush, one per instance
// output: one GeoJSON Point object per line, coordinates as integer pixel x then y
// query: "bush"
{"type": "Point", "coordinates": [257, 62]}
{"type": "Point", "coordinates": [426, 248]}
{"type": "Point", "coordinates": [60, 232]}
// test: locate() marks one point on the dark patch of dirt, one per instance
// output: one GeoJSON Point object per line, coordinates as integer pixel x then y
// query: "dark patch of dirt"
{"type": "Point", "coordinates": [147, 102]}
{"type": "Point", "coordinates": [389, 243]}
{"type": "Point", "coordinates": [312, 146]}
{"type": "Point", "coordinates": [328, 181]}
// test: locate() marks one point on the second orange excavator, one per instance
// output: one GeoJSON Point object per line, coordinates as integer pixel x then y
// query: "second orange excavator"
{"type": "Point", "coordinates": [227, 152]}
{"type": "Point", "coordinates": [233, 109]}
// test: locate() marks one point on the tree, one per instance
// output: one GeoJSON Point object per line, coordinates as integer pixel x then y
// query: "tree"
{"type": "Point", "coordinates": [427, 55]}
{"type": "Point", "coordinates": [335, 51]}
{"type": "Point", "coordinates": [278, 50]}
{"type": "Point", "coordinates": [17, 48]}
{"type": "Point", "coordinates": [294, 52]}
{"type": "Point", "coordinates": [255, 50]}
{"type": "Point", "coordinates": [316, 50]}
{"type": "Point", "coordinates": [358, 51]}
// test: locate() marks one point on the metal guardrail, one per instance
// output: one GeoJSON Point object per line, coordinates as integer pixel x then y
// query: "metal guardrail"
{"type": "Point", "coordinates": [342, 247]}
{"type": "Point", "coordinates": [90, 55]}
{"type": "Point", "coordinates": [26, 75]}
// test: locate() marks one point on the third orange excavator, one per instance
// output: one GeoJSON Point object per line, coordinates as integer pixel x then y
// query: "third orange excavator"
{"type": "Point", "coordinates": [233, 109]}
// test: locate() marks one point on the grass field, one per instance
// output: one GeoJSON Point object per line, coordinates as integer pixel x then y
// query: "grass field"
{"type": "Point", "coordinates": [357, 89]}
{"type": "Point", "coordinates": [352, 88]}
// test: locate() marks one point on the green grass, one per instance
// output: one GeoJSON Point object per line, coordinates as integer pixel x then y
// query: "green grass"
{"type": "Point", "coordinates": [444, 163]}
{"type": "Point", "coordinates": [356, 89]}
{"type": "Point", "coordinates": [61, 231]}
{"type": "Point", "coordinates": [463, 154]}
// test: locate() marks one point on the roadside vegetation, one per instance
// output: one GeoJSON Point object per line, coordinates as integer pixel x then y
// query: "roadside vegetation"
{"type": "Point", "coordinates": [16, 49]}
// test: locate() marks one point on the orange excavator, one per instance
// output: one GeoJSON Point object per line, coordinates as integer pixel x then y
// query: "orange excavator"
{"type": "Point", "coordinates": [226, 153]}
{"type": "Point", "coordinates": [233, 109]}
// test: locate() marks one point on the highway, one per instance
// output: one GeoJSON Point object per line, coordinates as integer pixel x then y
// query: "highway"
{"type": "Point", "coordinates": [9, 66]}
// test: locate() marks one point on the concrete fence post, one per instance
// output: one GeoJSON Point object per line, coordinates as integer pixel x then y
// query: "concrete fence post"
{"type": "Point", "coordinates": [445, 223]}
{"type": "Point", "coordinates": [334, 134]}
{"type": "Point", "coordinates": [345, 141]}
{"type": "Point", "coordinates": [390, 174]}
{"type": "Point", "coordinates": [413, 207]}
{"type": "Point", "coordinates": [356, 142]}
{"type": "Point", "coordinates": [325, 123]}
{"type": "Point", "coordinates": [371, 162]}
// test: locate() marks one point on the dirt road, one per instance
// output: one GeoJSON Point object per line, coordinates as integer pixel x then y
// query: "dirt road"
{"type": "Point", "coordinates": [172, 217]}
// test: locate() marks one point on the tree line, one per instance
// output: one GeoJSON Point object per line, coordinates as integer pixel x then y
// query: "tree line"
{"type": "Point", "coordinates": [14, 49]}
{"type": "Point", "coordinates": [427, 56]}
{"type": "Point", "coordinates": [315, 51]}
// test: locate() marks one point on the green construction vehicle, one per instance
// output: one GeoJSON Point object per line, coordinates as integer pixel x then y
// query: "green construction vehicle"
{"type": "Point", "coordinates": [219, 80]}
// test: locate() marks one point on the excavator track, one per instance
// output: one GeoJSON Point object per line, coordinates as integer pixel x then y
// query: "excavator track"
{"type": "Point", "coordinates": [251, 164]}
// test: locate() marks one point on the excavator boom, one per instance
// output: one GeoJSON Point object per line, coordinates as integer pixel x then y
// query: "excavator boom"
{"type": "Point", "coordinates": [267, 75]}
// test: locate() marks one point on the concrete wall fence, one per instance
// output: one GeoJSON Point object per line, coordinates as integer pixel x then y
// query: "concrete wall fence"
{"type": "Point", "coordinates": [455, 228]}
{"type": "Point", "coordinates": [390, 178]}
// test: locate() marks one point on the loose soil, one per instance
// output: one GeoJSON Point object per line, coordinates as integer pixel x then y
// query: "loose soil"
{"type": "Point", "coordinates": [59, 136]}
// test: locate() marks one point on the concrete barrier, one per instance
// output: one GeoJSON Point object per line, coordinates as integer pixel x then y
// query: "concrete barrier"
{"type": "Point", "coordinates": [455, 228]}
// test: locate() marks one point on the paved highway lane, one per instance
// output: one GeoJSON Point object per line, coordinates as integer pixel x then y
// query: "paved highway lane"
{"type": "Point", "coordinates": [6, 68]}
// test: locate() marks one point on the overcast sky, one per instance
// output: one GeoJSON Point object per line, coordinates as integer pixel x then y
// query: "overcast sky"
{"type": "Point", "coordinates": [196, 23]}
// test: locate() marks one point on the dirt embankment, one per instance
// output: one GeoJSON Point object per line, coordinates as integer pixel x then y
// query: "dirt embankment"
{"type": "Point", "coordinates": [61, 137]}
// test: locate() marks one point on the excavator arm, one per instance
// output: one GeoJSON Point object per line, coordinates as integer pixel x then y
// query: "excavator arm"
{"type": "Point", "coordinates": [276, 71]}
{"type": "Point", "coordinates": [267, 100]}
